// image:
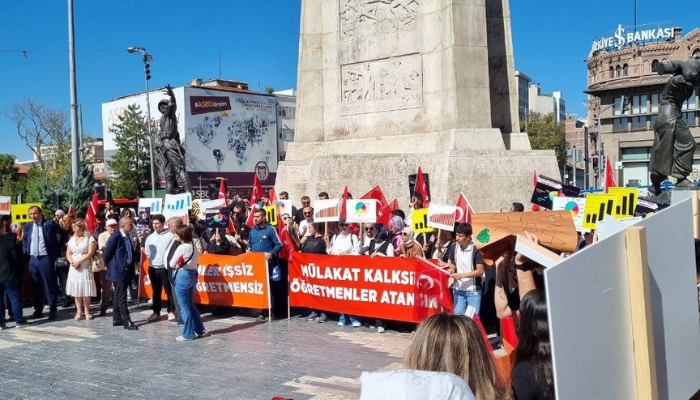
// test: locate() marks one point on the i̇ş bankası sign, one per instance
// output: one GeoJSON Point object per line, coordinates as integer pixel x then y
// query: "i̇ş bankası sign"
{"type": "Point", "coordinates": [622, 38]}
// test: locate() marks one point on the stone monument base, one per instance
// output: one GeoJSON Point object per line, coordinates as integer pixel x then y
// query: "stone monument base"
{"type": "Point", "coordinates": [490, 175]}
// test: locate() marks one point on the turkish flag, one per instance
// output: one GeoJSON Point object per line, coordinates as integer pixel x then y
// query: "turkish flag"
{"type": "Point", "coordinates": [91, 215]}
{"type": "Point", "coordinates": [534, 178]}
{"type": "Point", "coordinates": [421, 189]}
{"type": "Point", "coordinates": [71, 211]}
{"type": "Point", "coordinates": [609, 177]}
{"type": "Point", "coordinates": [431, 290]}
{"type": "Point", "coordinates": [384, 214]}
{"type": "Point", "coordinates": [343, 212]}
{"type": "Point", "coordinates": [464, 210]}
{"type": "Point", "coordinates": [222, 190]}
{"type": "Point", "coordinates": [376, 194]}
{"type": "Point", "coordinates": [257, 193]}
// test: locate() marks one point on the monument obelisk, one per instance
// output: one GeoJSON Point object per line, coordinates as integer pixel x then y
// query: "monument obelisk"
{"type": "Point", "coordinates": [385, 86]}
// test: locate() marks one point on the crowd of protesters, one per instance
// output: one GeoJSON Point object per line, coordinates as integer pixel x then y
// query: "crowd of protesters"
{"type": "Point", "coordinates": [62, 259]}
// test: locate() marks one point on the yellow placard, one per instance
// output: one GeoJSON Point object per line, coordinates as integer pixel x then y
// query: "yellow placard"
{"type": "Point", "coordinates": [420, 221]}
{"type": "Point", "coordinates": [20, 212]}
{"type": "Point", "coordinates": [626, 201]}
{"type": "Point", "coordinates": [597, 207]}
{"type": "Point", "coordinates": [271, 215]}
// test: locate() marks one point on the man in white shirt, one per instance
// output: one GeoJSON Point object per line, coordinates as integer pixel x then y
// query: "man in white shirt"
{"type": "Point", "coordinates": [467, 267]}
{"type": "Point", "coordinates": [308, 219]}
{"type": "Point", "coordinates": [156, 243]}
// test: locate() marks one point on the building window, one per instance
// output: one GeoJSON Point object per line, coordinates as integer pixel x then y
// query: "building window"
{"type": "Point", "coordinates": [689, 118]}
{"type": "Point", "coordinates": [617, 108]}
{"type": "Point", "coordinates": [652, 120]}
{"type": "Point", "coordinates": [639, 104]}
{"type": "Point", "coordinates": [655, 66]}
{"type": "Point", "coordinates": [625, 70]}
{"type": "Point", "coordinates": [655, 102]}
{"type": "Point", "coordinates": [620, 124]}
{"type": "Point", "coordinates": [618, 71]}
{"type": "Point", "coordinates": [612, 72]}
{"type": "Point", "coordinates": [639, 123]}
{"type": "Point", "coordinates": [635, 153]}
{"type": "Point", "coordinates": [281, 112]}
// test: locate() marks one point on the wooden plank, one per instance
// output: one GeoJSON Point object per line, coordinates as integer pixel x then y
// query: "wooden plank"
{"type": "Point", "coordinates": [640, 305]}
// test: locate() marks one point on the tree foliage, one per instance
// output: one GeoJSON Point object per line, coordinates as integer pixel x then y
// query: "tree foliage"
{"type": "Point", "coordinates": [10, 183]}
{"type": "Point", "coordinates": [80, 194]}
{"type": "Point", "coordinates": [130, 164]}
{"type": "Point", "coordinates": [546, 134]}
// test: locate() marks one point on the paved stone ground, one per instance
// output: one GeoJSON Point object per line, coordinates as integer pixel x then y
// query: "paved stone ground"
{"type": "Point", "coordinates": [242, 359]}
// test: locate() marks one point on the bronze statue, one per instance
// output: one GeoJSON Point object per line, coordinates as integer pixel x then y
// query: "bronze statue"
{"type": "Point", "coordinates": [169, 148]}
{"type": "Point", "coordinates": [674, 146]}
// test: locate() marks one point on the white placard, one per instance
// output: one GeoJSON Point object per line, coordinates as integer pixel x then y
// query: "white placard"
{"type": "Point", "coordinates": [175, 213]}
{"type": "Point", "coordinates": [610, 225]}
{"type": "Point", "coordinates": [285, 207]}
{"type": "Point", "coordinates": [574, 204]}
{"type": "Point", "coordinates": [361, 211]}
{"type": "Point", "coordinates": [177, 202]}
{"type": "Point", "coordinates": [5, 205]}
{"type": "Point", "coordinates": [327, 210]}
{"type": "Point", "coordinates": [207, 205]}
{"type": "Point", "coordinates": [590, 318]}
{"type": "Point", "coordinates": [155, 204]}
{"type": "Point", "coordinates": [442, 216]}
{"type": "Point", "coordinates": [536, 253]}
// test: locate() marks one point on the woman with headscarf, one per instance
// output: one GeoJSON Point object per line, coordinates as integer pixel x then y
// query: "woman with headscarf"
{"type": "Point", "coordinates": [410, 248]}
{"type": "Point", "coordinates": [396, 224]}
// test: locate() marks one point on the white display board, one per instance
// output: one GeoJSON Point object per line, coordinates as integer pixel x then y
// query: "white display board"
{"type": "Point", "coordinates": [361, 211]}
{"type": "Point", "coordinates": [590, 321]}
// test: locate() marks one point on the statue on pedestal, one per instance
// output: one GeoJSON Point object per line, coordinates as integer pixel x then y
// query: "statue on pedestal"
{"type": "Point", "coordinates": [674, 147]}
{"type": "Point", "coordinates": [169, 148]}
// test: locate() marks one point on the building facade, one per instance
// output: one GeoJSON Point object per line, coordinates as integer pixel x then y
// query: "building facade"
{"type": "Point", "coordinates": [523, 83]}
{"type": "Point", "coordinates": [286, 116]}
{"type": "Point", "coordinates": [624, 88]}
{"type": "Point", "coordinates": [545, 103]}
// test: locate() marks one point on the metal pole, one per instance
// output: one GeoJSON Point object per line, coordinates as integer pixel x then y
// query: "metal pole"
{"type": "Point", "coordinates": [150, 136]}
{"type": "Point", "coordinates": [573, 164]}
{"type": "Point", "coordinates": [73, 96]}
{"type": "Point", "coordinates": [586, 156]}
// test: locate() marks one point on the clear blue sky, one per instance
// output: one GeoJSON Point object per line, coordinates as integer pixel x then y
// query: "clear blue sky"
{"type": "Point", "coordinates": [258, 41]}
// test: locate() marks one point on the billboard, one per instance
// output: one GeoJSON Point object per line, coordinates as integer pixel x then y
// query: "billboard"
{"type": "Point", "coordinates": [225, 134]}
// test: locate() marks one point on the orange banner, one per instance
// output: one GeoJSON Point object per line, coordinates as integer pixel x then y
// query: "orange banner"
{"type": "Point", "coordinates": [238, 281]}
{"type": "Point", "coordinates": [379, 287]}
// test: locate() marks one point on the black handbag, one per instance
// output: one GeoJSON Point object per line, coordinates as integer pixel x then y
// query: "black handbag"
{"type": "Point", "coordinates": [62, 262]}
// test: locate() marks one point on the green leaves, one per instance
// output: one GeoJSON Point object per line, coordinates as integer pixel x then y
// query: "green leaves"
{"type": "Point", "coordinates": [130, 164]}
{"type": "Point", "coordinates": [546, 134]}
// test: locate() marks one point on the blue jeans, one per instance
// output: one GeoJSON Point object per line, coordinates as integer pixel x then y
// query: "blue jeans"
{"type": "Point", "coordinates": [463, 298]}
{"type": "Point", "coordinates": [352, 318]}
{"type": "Point", "coordinates": [12, 289]}
{"type": "Point", "coordinates": [185, 285]}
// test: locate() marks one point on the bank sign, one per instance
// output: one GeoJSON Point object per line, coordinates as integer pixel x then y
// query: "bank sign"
{"type": "Point", "coordinates": [624, 37]}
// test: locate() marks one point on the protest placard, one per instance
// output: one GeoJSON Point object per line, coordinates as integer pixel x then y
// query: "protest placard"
{"type": "Point", "coordinates": [626, 201]}
{"type": "Point", "coordinates": [547, 189]}
{"type": "Point", "coordinates": [217, 218]}
{"type": "Point", "coordinates": [442, 216]}
{"type": "Point", "coordinates": [419, 221]}
{"type": "Point", "coordinates": [20, 212]}
{"type": "Point", "coordinates": [361, 211]}
{"type": "Point", "coordinates": [598, 205]}
{"type": "Point", "coordinates": [575, 205]}
{"type": "Point", "coordinates": [327, 210]}
{"type": "Point", "coordinates": [271, 215]}
{"type": "Point", "coordinates": [237, 281]}
{"type": "Point", "coordinates": [5, 205]}
{"type": "Point", "coordinates": [154, 204]}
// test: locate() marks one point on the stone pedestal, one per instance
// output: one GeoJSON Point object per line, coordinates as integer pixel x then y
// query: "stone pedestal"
{"type": "Point", "coordinates": [387, 86]}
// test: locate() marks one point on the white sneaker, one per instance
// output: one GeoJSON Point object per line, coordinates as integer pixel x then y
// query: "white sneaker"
{"type": "Point", "coordinates": [171, 316]}
{"type": "Point", "coordinates": [356, 324]}
{"type": "Point", "coordinates": [381, 329]}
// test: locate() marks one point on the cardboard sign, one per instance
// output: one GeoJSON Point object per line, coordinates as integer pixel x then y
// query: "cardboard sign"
{"type": "Point", "coordinates": [493, 232]}
{"type": "Point", "coordinates": [144, 216]}
{"type": "Point", "coordinates": [271, 215]}
{"type": "Point", "coordinates": [20, 212]}
{"type": "Point", "coordinates": [575, 205]}
{"type": "Point", "coordinates": [626, 201]}
{"type": "Point", "coordinates": [361, 211]}
{"type": "Point", "coordinates": [547, 189]}
{"type": "Point", "coordinates": [647, 207]}
{"type": "Point", "coordinates": [217, 219]}
{"type": "Point", "coordinates": [285, 207]}
{"type": "Point", "coordinates": [442, 216]}
{"type": "Point", "coordinates": [154, 204]}
{"type": "Point", "coordinates": [536, 253]}
{"type": "Point", "coordinates": [327, 210]}
{"type": "Point", "coordinates": [610, 226]}
{"type": "Point", "coordinates": [201, 207]}
{"type": "Point", "coordinates": [419, 219]}
{"type": "Point", "coordinates": [5, 205]}
{"type": "Point", "coordinates": [598, 205]}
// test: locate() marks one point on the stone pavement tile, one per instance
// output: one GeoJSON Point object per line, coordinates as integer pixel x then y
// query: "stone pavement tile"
{"type": "Point", "coordinates": [242, 359]}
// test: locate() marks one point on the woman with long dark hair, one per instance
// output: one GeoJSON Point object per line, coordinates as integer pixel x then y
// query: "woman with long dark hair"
{"type": "Point", "coordinates": [532, 376]}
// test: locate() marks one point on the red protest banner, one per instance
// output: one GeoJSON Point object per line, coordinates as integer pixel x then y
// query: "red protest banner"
{"type": "Point", "coordinates": [378, 287]}
{"type": "Point", "coordinates": [238, 281]}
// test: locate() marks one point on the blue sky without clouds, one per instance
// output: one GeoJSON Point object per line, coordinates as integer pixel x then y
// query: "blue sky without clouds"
{"type": "Point", "coordinates": [258, 41]}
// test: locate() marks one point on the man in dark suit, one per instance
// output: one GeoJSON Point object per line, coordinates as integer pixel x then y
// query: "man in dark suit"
{"type": "Point", "coordinates": [10, 259]}
{"type": "Point", "coordinates": [119, 256]}
{"type": "Point", "coordinates": [42, 242]}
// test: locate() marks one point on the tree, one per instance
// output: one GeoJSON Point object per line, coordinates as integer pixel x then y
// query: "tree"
{"type": "Point", "coordinates": [80, 194]}
{"type": "Point", "coordinates": [269, 89]}
{"type": "Point", "coordinates": [10, 183]}
{"type": "Point", "coordinates": [546, 134]}
{"type": "Point", "coordinates": [130, 164]}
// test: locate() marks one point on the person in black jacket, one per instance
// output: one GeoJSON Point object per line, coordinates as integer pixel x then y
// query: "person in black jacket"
{"type": "Point", "coordinates": [218, 243]}
{"type": "Point", "coordinates": [10, 259]}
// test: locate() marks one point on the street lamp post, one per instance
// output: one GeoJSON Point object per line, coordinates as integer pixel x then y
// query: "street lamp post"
{"type": "Point", "coordinates": [146, 59]}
